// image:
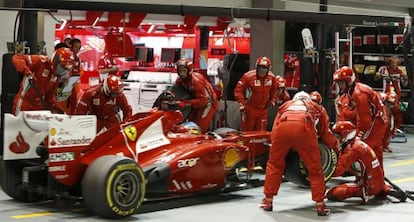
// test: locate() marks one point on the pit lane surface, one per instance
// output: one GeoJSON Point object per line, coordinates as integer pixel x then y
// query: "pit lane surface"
{"type": "Point", "coordinates": [292, 204]}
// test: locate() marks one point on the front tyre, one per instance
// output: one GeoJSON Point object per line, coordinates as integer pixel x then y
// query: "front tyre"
{"type": "Point", "coordinates": [297, 173]}
{"type": "Point", "coordinates": [113, 186]}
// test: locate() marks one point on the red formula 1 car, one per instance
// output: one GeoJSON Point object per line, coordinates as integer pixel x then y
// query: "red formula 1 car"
{"type": "Point", "coordinates": [143, 157]}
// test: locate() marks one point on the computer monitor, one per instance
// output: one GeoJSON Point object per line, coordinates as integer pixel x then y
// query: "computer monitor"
{"type": "Point", "coordinates": [150, 54]}
{"type": "Point", "coordinates": [168, 55]}
{"type": "Point", "coordinates": [187, 54]}
{"type": "Point", "coordinates": [141, 54]}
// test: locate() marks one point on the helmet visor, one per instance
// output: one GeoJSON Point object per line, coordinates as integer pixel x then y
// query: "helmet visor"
{"type": "Point", "coordinates": [262, 70]}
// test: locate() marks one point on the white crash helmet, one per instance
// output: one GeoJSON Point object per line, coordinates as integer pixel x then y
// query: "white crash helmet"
{"type": "Point", "coordinates": [302, 95]}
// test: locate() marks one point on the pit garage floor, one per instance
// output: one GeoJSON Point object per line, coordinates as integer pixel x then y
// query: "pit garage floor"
{"type": "Point", "coordinates": [292, 204]}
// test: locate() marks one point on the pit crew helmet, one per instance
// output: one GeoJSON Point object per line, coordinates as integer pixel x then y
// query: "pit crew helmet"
{"type": "Point", "coordinates": [281, 82]}
{"type": "Point", "coordinates": [112, 86]}
{"type": "Point", "coordinates": [62, 61]}
{"type": "Point", "coordinates": [346, 74]}
{"type": "Point", "coordinates": [184, 63]}
{"type": "Point", "coordinates": [192, 128]}
{"type": "Point", "coordinates": [345, 129]}
{"type": "Point", "coordinates": [263, 65]}
{"type": "Point", "coordinates": [389, 98]}
{"type": "Point", "coordinates": [302, 95]}
{"type": "Point", "coordinates": [316, 97]}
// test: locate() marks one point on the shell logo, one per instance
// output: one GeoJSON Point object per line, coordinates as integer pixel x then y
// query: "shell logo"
{"type": "Point", "coordinates": [53, 131]}
{"type": "Point", "coordinates": [230, 157]}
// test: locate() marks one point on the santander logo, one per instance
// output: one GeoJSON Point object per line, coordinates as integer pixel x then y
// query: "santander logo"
{"type": "Point", "coordinates": [20, 145]}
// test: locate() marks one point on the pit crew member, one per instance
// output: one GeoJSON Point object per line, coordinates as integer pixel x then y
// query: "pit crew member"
{"type": "Point", "coordinates": [256, 93]}
{"type": "Point", "coordinates": [370, 120]}
{"type": "Point", "coordinates": [105, 100]}
{"type": "Point", "coordinates": [107, 66]}
{"type": "Point", "coordinates": [203, 97]}
{"type": "Point", "coordinates": [295, 127]}
{"type": "Point", "coordinates": [368, 171]}
{"type": "Point", "coordinates": [281, 94]}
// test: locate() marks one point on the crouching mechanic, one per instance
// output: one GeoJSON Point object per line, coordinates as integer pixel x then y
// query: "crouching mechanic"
{"type": "Point", "coordinates": [203, 98]}
{"type": "Point", "coordinates": [369, 109]}
{"type": "Point", "coordinates": [105, 100]}
{"type": "Point", "coordinates": [295, 127]}
{"type": "Point", "coordinates": [369, 173]}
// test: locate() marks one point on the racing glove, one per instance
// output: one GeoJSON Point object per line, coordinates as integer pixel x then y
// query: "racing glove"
{"type": "Point", "coordinates": [32, 79]}
{"type": "Point", "coordinates": [242, 108]}
{"type": "Point", "coordinates": [360, 135]}
{"type": "Point", "coordinates": [182, 104]}
{"type": "Point", "coordinates": [270, 105]}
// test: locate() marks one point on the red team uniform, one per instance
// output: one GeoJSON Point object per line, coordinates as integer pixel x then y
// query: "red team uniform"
{"type": "Point", "coordinates": [204, 100]}
{"type": "Point", "coordinates": [260, 86]}
{"type": "Point", "coordinates": [105, 100]}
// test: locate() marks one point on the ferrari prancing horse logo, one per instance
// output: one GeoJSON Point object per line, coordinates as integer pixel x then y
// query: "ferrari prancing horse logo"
{"type": "Point", "coordinates": [131, 132]}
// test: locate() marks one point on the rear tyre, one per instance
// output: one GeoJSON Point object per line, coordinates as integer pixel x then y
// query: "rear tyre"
{"type": "Point", "coordinates": [12, 183]}
{"type": "Point", "coordinates": [297, 173]}
{"type": "Point", "coordinates": [113, 186]}
{"type": "Point", "coordinates": [11, 179]}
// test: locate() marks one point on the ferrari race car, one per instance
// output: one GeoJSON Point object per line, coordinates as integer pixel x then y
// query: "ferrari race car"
{"type": "Point", "coordinates": [48, 155]}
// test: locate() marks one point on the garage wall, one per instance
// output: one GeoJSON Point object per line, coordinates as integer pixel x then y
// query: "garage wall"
{"type": "Point", "coordinates": [47, 30]}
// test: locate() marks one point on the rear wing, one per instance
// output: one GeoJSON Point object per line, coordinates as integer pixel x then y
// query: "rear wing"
{"type": "Point", "coordinates": [24, 132]}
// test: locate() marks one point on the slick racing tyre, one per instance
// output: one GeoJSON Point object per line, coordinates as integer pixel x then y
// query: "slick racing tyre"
{"type": "Point", "coordinates": [113, 186]}
{"type": "Point", "coordinates": [297, 173]}
{"type": "Point", "coordinates": [11, 181]}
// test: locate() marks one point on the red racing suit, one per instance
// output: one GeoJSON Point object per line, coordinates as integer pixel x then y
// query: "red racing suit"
{"type": "Point", "coordinates": [261, 94]}
{"type": "Point", "coordinates": [106, 62]}
{"type": "Point", "coordinates": [370, 173]}
{"type": "Point", "coordinates": [295, 127]}
{"type": "Point", "coordinates": [38, 87]}
{"type": "Point", "coordinates": [106, 108]}
{"type": "Point", "coordinates": [395, 120]}
{"type": "Point", "coordinates": [292, 71]}
{"type": "Point", "coordinates": [344, 109]}
{"type": "Point", "coordinates": [282, 97]}
{"type": "Point", "coordinates": [370, 122]}
{"type": "Point", "coordinates": [391, 79]}
{"type": "Point", "coordinates": [68, 91]}
{"type": "Point", "coordinates": [203, 102]}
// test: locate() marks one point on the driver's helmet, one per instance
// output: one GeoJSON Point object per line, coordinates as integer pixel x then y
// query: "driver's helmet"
{"type": "Point", "coordinates": [192, 128]}
{"type": "Point", "coordinates": [345, 129]}
{"type": "Point", "coordinates": [112, 86]}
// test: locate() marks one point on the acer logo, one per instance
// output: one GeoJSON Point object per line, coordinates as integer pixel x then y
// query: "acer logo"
{"type": "Point", "coordinates": [187, 162]}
